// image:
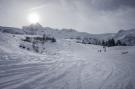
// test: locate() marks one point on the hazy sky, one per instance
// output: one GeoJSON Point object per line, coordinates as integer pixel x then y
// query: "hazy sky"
{"type": "Point", "coordinates": [93, 16]}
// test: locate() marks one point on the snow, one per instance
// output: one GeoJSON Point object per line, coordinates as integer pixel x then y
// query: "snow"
{"type": "Point", "coordinates": [125, 36]}
{"type": "Point", "coordinates": [65, 65]}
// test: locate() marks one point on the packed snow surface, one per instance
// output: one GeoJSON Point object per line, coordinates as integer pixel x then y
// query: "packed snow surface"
{"type": "Point", "coordinates": [65, 65]}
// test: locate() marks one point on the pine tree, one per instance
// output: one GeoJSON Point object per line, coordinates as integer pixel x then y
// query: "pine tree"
{"type": "Point", "coordinates": [110, 42]}
{"type": "Point", "coordinates": [113, 42]}
{"type": "Point", "coordinates": [118, 43]}
{"type": "Point", "coordinates": [103, 43]}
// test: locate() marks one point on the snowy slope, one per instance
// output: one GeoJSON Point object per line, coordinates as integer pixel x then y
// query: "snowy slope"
{"type": "Point", "coordinates": [65, 65]}
{"type": "Point", "coordinates": [126, 36]}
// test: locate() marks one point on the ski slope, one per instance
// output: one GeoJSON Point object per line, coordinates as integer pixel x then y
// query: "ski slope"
{"type": "Point", "coordinates": [67, 65]}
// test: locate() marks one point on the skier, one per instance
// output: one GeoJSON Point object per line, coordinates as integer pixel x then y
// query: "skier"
{"type": "Point", "coordinates": [99, 50]}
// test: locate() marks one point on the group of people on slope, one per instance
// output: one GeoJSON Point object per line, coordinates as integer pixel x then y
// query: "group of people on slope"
{"type": "Point", "coordinates": [104, 49]}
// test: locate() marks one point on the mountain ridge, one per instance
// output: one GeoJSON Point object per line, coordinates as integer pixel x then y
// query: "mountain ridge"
{"type": "Point", "coordinates": [126, 36]}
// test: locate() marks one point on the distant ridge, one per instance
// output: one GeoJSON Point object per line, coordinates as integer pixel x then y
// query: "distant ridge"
{"type": "Point", "coordinates": [126, 36]}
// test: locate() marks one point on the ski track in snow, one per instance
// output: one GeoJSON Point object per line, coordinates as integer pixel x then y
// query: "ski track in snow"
{"type": "Point", "coordinates": [80, 67]}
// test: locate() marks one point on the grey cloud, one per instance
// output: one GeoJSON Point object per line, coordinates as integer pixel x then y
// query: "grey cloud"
{"type": "Point", "coordinates": [94, 16]}
{"type": "Point", "coordinates": [109, 4]}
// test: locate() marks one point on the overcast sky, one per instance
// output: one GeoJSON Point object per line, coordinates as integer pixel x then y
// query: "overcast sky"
{"type": "Point", "coordinates": [93, 16]}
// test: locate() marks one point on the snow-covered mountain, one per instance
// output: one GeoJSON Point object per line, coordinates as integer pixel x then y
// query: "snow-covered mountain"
{"type": "Point", "coordinates": [126, 36]}
{"type": "Point", "coordinates": [11, 30]}
{"type": "Point", "coordinates": [37, 29]}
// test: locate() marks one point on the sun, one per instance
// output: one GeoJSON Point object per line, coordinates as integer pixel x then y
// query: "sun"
{"type": "Point", "coordinates": [33, 18]}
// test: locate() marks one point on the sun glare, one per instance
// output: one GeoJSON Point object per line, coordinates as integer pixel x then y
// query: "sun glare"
{"type": "Point", "coordinates": [33, 18]}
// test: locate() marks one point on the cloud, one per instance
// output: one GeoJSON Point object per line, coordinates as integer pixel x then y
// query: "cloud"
{"type": "Point", "coordinates": [94, 16]}
{"type": "Point", "coordinates": [110, 4]}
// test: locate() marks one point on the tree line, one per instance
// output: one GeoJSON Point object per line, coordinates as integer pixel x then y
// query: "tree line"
{"type": "Point", "coordinates": [112, 42]}
{"type": "Point", "coordinates": [108, 43]}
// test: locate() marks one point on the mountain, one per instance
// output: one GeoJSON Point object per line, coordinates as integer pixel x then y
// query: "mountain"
{"type": "Point", "coordinates": [125, 36]}
{"type": "Point", "coordinates": [11, 30]}
{"type": "Point", "coordinates": [33, 29]}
